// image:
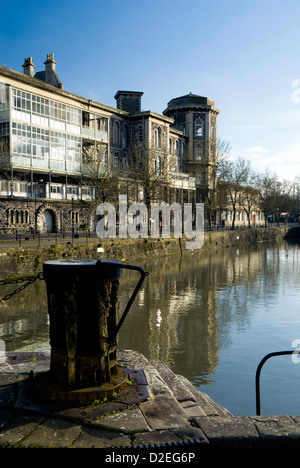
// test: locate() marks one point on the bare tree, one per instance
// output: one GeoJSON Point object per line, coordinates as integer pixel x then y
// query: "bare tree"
{"type": "Point", "coordinates": [209, 173]}
{"type": "Point", "coordinates": [283, 197]}
{"type": "Point", "coordinates": [148, 169]}
{"type": "Point", "coordinates": [249, 199]}
{"type": "Point", "coordinates": [102, 176]}
{"type": "Point", "coordinates": [234, 176]}
{"type": "Point", "coordinates": [267, 184]}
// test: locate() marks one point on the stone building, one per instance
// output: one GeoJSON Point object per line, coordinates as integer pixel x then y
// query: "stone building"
{"type": "Point", "coordinates": [48, 137]}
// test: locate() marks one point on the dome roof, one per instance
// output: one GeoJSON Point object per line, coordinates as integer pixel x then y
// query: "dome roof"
{"type": "Point", "coordinates": [189, 100]}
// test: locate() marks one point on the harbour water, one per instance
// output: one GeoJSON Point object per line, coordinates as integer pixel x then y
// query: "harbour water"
{"type": "Point", "coordinates": [210, 318]}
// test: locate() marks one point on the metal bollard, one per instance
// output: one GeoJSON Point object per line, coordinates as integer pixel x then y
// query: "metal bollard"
{"type": "Point", "coordinates": [82, 305]}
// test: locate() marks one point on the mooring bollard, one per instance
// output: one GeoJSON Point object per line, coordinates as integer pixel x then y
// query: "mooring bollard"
{"type": "Point", "coordinates": [82, 305]}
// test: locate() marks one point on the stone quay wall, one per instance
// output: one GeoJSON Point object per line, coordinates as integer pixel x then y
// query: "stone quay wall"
{"type": "Point", "coordinates": [31, 255]}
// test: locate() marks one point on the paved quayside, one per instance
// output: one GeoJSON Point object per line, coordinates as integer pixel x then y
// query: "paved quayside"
{"type": "Point", "coordinates": [173, 414]}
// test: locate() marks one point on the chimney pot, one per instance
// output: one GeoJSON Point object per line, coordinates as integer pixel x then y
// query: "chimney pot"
{"type": "Point", "coordinates": [28, 66]}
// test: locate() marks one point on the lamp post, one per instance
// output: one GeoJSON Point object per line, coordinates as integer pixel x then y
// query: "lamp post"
{"type": "Point", "coordinates": [72, 219]}
{"type": "Point", "coordinates": [35, 216]}
{"type": "Point", "coordinates": [35, 213]}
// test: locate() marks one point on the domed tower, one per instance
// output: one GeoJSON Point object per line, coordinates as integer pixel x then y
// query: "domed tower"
{"type": "Point", "coordinates": [197, 116]}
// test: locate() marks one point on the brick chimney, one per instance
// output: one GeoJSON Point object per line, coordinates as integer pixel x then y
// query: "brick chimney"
{"type": "Point", "coordinates": [129, 101]}
{"type": "Point", "coordinates": [50, 73]}
{"type": "Point", "coordinates": [28, 67]}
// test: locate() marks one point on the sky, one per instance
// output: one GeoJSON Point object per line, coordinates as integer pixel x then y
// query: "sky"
{"type": "Point", "coordinates": [244, 55]}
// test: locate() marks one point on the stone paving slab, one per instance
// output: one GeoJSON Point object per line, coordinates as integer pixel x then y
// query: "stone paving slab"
{"type": "Point", "coordinates": [234, 431]}
{"type": "Point", "coordinates": [18, 428]}
{"type": "Point", "coordinates": [171, 416]}
{"type": "Point", "coordinates": [91, 437]}
{"type": "Point", "coordinates": [53, 433]}
{"type": "Point", "coordinates": [164, 413]}
{"type": "Point", "coordinates": [132, 418]}
{"type": "Point", "coordinates": [192, 409]}
{"type": "Point", "coordinates": [277, 427]}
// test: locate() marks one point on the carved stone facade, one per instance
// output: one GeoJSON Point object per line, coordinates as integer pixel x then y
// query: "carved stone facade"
{"type": "Point", "coordinates": [24, 216]}
{"type": "Point", "coordinates": [48, 136]}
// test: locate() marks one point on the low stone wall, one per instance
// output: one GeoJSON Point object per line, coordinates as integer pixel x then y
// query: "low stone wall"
{"type": "Point", "coordinates": [128, 249]}
{"type": "Point", "coordinates": [217, 239]}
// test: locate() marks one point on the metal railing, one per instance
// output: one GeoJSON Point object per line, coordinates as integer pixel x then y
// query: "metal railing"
{"type": "Point", "coordinates": [24, 238]}
{"type": "Point", "coordinates": [48, 237]}
{"type": "Point", "coordinates": [258, 372]}
{"type": "Point", "coordinates": [219, 227]}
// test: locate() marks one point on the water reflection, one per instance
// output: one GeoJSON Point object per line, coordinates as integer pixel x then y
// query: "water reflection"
{"type": "Point", "coordinates": [210, 318]}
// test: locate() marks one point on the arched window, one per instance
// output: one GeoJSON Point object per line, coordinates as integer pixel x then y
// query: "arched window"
{"type": "Point", "coordinates": [74, 215]}
{"type": "Point", "coordinates": [159, 168]}
{"type": "Point", "coordinates": [116, 160]}
{"type": "Point", "coordinates": [199, 128]}
{"type": "Point", "coordinates": [125, 161]}
{"type": "Point", "coordinates": [133, 134]}
{"type": "Point", "coordinates": [159, 137]}
{"type": "Point", "coordinates": [124, 136]}
{"type": "Point", "coordinates": [140, 133]}
{"type": "Point", "coordinates": [105, 158]}
{"type": "Point", "coordinates": [116, 133]}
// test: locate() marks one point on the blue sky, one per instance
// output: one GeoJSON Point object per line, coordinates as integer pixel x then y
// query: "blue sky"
{"type": "Point", "coordinates": [244, 55]}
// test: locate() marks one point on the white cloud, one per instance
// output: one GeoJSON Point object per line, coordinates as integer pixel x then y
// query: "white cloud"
{"type": "Point", "coordinates": [257, 149]}
{"type": "Point", "coordinates": [257, 152]}
{"type": "Point", "coordinates": [284, 161]}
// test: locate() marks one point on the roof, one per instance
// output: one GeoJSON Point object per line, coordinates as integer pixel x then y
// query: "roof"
{"type": "Point", "coordinates": [131, 93]}
{"type": "Point", "coordinates": [189, 100]}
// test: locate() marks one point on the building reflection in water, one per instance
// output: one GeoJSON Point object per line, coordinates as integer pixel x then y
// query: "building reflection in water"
{"type": "Point", "coordinates": [188, 307]}
{"type": "Point", "coordinates": [184, 315]}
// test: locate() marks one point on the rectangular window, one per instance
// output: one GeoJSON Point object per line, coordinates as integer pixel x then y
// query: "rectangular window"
{"type": "Point", "coordinates": [21, 144]}
{"type": "Point", "coordinates": [87, 192]}
{"type": "Point", "coordinates": [40, 106]}
{"type": "Point", "coordinates": [73, 119]}
{"type": "Point", "coordinates": [73, 153]}
{"type": "Point", "coordinates": [56, 189]}
{"type": "Point", "coordinates": [58, 151]}
{"type": "Point", "coordinates": [57, 110]}
{"type": "Point", "coordinates": [73, 115]}
{"type": "Point", "coordinates": [4, 101]}
{"type": "Point", "coordinates": [4, 140]}
{"type": "Point", "coordinates": [72, 190]}
{"type": "Point", "coordinates": [40, 147]}
{"type": "Point", "coordinates": [21, 100]}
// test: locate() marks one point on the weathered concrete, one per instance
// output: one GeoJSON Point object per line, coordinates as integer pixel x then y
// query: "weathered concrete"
{"type": "Point", "coordinates": [175, 416]}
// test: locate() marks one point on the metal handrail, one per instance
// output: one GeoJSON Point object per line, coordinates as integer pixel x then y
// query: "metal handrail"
{"type": "Point", "coordinates": [143, 274]}
{"type": "Point", "coordinates": [258, 371]}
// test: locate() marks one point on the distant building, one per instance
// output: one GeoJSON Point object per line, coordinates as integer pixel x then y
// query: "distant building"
{"type": "Point", "coordinates": [48, 135]}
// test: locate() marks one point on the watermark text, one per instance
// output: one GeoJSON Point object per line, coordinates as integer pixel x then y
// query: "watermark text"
{"type": "Point", "coordinates": [164, 221]}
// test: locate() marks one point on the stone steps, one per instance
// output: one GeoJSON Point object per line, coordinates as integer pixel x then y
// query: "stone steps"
{"type": "Point", "coordinates": [194, 402]}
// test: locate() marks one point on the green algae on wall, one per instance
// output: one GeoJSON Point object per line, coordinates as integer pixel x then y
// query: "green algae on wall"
{"type": "Point", "coordinates": [128, 250]}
